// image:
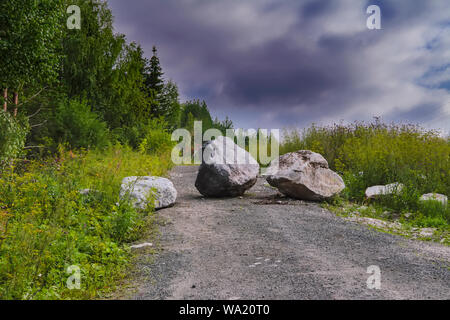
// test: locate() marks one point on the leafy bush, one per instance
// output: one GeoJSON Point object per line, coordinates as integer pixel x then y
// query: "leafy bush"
{"type": "Point", "coordinates": [74, 123]}
{"type": "Point", "coordinates": [12, 136]}
{"type": "Point", "coordinates": [46, 224]}
{"type": "Point", "coordinates": [151, 137]}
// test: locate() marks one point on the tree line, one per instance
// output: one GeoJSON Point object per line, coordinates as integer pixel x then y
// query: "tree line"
{"type": "Point", "coordinates": [84, 88]}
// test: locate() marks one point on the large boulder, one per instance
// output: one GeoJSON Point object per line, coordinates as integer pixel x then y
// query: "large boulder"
{"type": "Point", "coordinates": [377, 191]}
{"type": "Point", "coordinates": [304, 175]}
{"type": "Point", "coordinates": [435, 197]}
{"type": "Point", "coordinates": [227, 170]}
{"type": "Point", "coordinates": [139, 189]}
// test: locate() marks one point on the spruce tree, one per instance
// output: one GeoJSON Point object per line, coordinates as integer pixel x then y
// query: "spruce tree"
{"type": "Point", "coordinates": [154, 80]}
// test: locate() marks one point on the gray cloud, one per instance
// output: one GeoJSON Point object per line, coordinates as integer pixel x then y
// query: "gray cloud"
{"type": "Point", "coordinates": [272, 63]}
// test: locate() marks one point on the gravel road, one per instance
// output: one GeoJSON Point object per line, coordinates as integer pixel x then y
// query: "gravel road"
{"type": "Point", "coordinates": [262, 246]}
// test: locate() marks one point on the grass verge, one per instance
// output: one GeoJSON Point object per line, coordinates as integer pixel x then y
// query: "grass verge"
{"type": "Point", "coordinates": [47, 225]}
{"type": "Point", "coordinates": [368, 154]}
{"type": "Point", "coordinates": [382, 218]}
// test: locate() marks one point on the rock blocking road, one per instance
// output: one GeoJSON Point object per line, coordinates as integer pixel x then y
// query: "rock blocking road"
{"type": "Point", "coordinates": [262, 246]}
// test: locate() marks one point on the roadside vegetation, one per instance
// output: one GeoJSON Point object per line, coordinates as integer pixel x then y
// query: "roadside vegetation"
{"type": "Point", "coordinates": [47, 225]}
{"type": "Point", "coordinates": [79, 109]}
{"type": "Point", "coordinates": [368, 154]}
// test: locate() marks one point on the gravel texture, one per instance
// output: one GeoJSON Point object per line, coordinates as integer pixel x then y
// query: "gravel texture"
{"type": "Point", "coordinates": [265, 246]}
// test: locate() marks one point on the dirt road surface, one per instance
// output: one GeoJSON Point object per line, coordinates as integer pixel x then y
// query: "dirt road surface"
{"type": "Point", "coordinates": [261, 246]}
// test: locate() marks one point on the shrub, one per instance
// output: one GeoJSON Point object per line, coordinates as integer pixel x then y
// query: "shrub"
{"type": "Point", "coordinates": [155, 138]}
{"type": "Point", "coordinates": [74, 123]}
{"type": "Point", "coordinates": [150, 137]}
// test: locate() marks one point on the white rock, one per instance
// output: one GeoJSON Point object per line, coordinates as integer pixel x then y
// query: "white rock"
{"type": "Point", "coordinates": [427, 232]}
{"type": "Point", "coordinates": [304, 175]}
{"type": "Point", "coordinates": [85, 192]}
{"type": "Point", "coordinates": [375, 191]}
{"type": "Point", "coordinates": [140, 188]}
{"type": "Point", "coordinates": [435, 197]}
{"type": "Point", "coordinates": [141, 245]}
{"type": "Point", "coordinates": [227, 169]}
{"type": "Point", "coordinates": [377, 223]}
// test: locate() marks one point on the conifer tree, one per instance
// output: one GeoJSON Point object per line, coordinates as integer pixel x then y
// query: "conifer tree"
{"type": "Point", "coordinates": [154, 80]}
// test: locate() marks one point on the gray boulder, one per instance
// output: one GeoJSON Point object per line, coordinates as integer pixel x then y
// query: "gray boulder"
{"type": "Point", "coordinates": [377, 191]}
{"type": "Point", "coordinates": [140, 188]}
{"type": "Point", "coordinates": [227, 170]}
{"type": "Point", "coordinates": [304, 175]}
{"type": "Point", "coordinates": [435, 197]}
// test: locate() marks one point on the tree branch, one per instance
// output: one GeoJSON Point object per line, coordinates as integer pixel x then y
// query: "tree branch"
{"type": "Point", "coordinates": [32, 97]}
{"type": "Point", "coordinates": [38, 125]}
{"type": "Point", "coordinates": [39, 110]}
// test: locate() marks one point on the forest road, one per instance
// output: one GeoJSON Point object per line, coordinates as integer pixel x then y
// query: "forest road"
{"type": "Point", "coordinates": [262, 246]}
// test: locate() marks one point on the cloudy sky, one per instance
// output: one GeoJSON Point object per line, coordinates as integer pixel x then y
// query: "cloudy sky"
{"type": "Point", "coordinates": [283, 63]}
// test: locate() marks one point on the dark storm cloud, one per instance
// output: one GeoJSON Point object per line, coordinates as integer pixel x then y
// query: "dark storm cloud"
{"type": "Point", "coordinates": [274, 63]}
{"type": "Point", "coordinates": [279, 72]}
{"type": "Point", "coordinates": [312, 9]}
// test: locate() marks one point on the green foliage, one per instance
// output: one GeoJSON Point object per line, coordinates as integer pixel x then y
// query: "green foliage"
{"type": "Point", "coordinates": [74, 123]}
{"type": "Point", "coordinates": [153, 74]}
{"type": "Point", "coordinates": [46, 224]}
{"type": "Point", "coordinates": [258, 143]}
{"type": "Point", "coordinates": [150, 137]}
{"type": "Point", "coordinates": [195, 110]}
{"type": "Point", "coordinates": [29, 39]}
{"type": "Point", "coordinates": [90, 53]}
{"type": "Point", "coordinates": [169, 105]}
{"type": "Point", "coordinates": [376, 153]}
{"type": "Point", "coordinates": [155, 138]}
{"type": "Point", "coordinates": [432, 214]}
{"type": "Point", "coordinates": [224, 125]}
{"type": "Point", "coordinates": [129, 102]}
{"type": "Point", "coordinates": [93, 65]}
{"type": "Point", "coordinates": [324, 140]}
{"type": "Point", "coordinates": [12, 136]}
{"type": "Point", "coordinates": [100, 66]}
{"type": "Point", "coordinates": [94, 89]}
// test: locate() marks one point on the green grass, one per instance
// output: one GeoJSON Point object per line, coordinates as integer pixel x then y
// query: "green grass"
{"type": "Point", "coordinates": [367, 154]}
{"type": "Point", "coordinates": [46, 225]}
{"type": "Point", "coordinates": [405, 224]}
